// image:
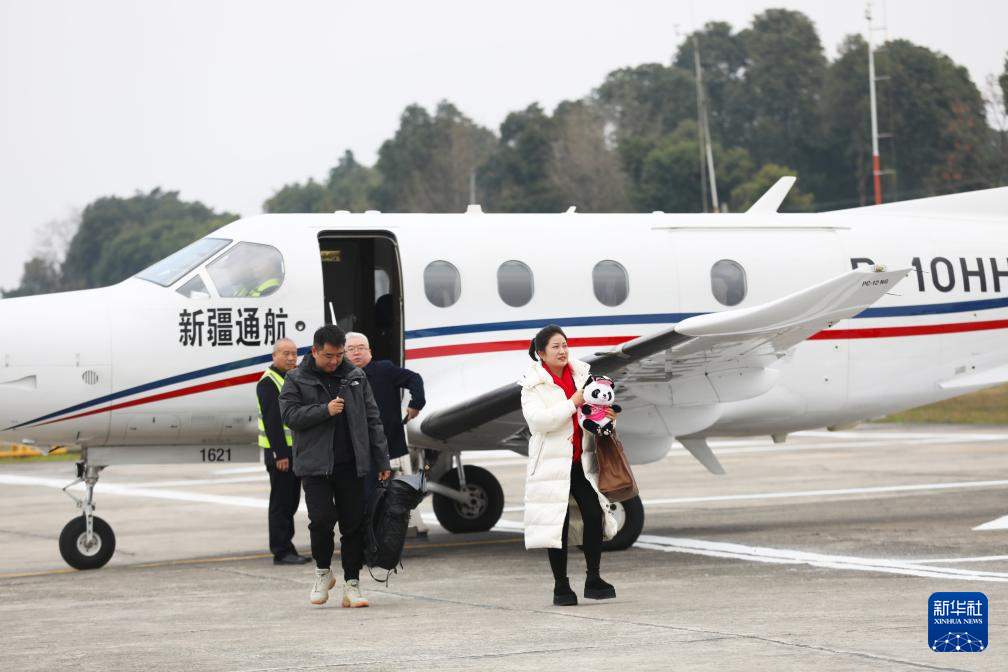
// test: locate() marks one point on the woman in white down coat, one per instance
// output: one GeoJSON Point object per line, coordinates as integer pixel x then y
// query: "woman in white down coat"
{"type": "Point", "coordinates": [561, 485]}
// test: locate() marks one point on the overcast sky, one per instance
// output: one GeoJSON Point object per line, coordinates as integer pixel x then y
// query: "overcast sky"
{"type": "Point", "coordinates": [228, 101]}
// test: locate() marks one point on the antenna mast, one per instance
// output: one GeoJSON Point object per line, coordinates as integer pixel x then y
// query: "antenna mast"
{"type": "Point", "coordinates": [705, 138]}
{"type": "Point", "coordinates": [876, 159]}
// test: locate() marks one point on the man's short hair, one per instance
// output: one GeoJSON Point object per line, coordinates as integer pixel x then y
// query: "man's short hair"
{"type": "Point", "coordinates": [330, 334]}
{"type": "Point", "coordinates": [276, 346]}
{"type": "Point", "coordinates": [357, 334]}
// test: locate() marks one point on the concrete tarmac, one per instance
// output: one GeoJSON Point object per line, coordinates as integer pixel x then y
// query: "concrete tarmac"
{"type": "Point", "coordinates": [819, 553]}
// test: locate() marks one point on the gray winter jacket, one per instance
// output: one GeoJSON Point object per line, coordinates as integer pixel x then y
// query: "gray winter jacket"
{"type": "Point", "coordinates": [303, 405]}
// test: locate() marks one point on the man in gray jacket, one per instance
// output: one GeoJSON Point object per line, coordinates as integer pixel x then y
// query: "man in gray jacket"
{"type": "Point", "coordinates": [328, 405]}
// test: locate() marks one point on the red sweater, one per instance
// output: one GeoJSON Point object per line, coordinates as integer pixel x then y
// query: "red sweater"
{"type": "Point", "coordinates": [566, 383]}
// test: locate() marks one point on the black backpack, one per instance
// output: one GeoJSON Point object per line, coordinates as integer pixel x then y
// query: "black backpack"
{"type": "Point", "coordinates": [388, 513]}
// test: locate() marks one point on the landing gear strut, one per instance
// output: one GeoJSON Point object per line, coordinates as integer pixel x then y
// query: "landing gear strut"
{"type": "Point", "coordinates": [466, 498]}
{"type": "Point", "coordinates": [86, 542]}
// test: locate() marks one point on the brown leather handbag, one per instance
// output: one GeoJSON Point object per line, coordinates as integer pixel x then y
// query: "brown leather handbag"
{"type": "Point", "coordinates": [615, 479]}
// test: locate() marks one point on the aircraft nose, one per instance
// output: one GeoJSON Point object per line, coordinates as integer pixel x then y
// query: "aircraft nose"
{"type": "Point", "coordinates": [55, 361]}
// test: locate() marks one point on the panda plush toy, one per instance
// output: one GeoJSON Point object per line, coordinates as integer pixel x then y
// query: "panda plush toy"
{"type": "Point", "coordinates": [599, 393]}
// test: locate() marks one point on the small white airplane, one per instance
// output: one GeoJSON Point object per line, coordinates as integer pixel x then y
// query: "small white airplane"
{"type": "Point", "coordinates": [736, 324]}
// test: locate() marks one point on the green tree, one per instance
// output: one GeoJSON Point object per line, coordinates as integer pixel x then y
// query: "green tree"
{"type": "Point", "coordinates": [40, 276]}
{"type": "Point", "coordinates": [848, 127]}
{"type": "Point", "coordinates": [666, 171]}
{"type": "Point", "coordinates": [748, 192]}
{"type": "Point", "coordinates": [516, 178]}
{"type": "Point", "coordinates": [548, 163]}
{"type": "Point", "coordinates": [428, 165]}
{"type": "Point", "coordinates": [724, 59]}
{"type": "Point", "coordinates": [784, 74]}
{"type": "Point", "coordinates": [646, 101]}
{"type": "Point", "coordinates": [933, 111]}
{"type": "Point", "coordinates": [348, 188]}
{"type": "Point", "coordinates": [1003, 81]}
{"type": "Point", "coordinates": [118, 237]}
{"type": "Point", "coordinates": [583, 169]}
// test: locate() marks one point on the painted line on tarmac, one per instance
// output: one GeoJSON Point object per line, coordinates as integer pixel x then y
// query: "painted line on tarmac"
{"type": "Point", "coordinates": [964, 436]}
{"type": "Point", "coordinates": [264, 479]}
{"type": "Point", "coordinates": [238, 470]}
{"type": "Point", "coordinates": [781, 556]}
{"type": "Point", "coordinates": [251, 556]}
{"type": "Point", "coordinates": [262, 503]}
{"type": "Point", "coordinates": [979, 558]}
{"type": "Point", "coordinates": [133, 491]}
{"type": "Point", "coordinates": [920, 487]}
{"type": "Point", "coordinates": [844, 492]}
{"type": "Point", "coordinates": [997, 524]}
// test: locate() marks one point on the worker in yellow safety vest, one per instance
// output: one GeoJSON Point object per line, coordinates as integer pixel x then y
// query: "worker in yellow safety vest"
{"type": "Point", "coordinates": [275, 440]}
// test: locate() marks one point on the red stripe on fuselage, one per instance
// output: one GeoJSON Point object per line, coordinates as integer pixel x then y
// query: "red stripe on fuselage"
{"type": "Point", "coordinates": [503, 346]}
{"type": "Point", "coordinates": [920, 330]}
{"type": "Point", "coordinates": [195, 389]}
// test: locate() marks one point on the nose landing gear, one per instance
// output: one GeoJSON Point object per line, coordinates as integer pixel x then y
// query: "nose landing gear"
{"type": "Point", "coordinates": [86, 542]}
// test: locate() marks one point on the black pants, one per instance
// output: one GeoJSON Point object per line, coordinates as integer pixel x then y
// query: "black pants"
{"type": "Point", "coordinates": [591, 513]}
{"type": "Point", "coordinates": [338, 496]}
{"type": "Point", "coordinates": [285, 498]}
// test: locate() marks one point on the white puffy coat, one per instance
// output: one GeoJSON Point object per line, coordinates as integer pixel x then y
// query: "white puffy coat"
{"type": "Point", "coordinates": [548, 413]}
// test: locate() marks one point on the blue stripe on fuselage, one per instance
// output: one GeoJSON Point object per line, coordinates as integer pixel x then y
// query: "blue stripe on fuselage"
{"type": "Point", "coordinates": [671, 318]}
{"type": "Point", "coordinates": [592, 320]}
{"type": "Point", "coordinates": [172, 380]}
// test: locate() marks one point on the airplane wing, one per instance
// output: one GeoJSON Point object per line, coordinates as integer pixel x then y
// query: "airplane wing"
{"type": "Point", "coordinates": [717, 357]}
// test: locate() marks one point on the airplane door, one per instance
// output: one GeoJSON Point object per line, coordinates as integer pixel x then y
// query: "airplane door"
{"type": "Point", "coordinates": [362, 288]}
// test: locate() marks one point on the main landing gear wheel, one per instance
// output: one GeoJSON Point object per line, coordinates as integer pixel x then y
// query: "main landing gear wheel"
{"type": "Point", "coordinates": [84, 551]}
{"type": "Point", "coordinates": [481, 512]}
{"type": "Point", "coordinates": [629, 524]}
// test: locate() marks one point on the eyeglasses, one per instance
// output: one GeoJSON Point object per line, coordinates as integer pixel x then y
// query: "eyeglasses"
{"type": "Point", "coordinates": [357, 348]}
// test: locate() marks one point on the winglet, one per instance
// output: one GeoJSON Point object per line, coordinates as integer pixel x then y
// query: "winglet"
{"type": "Point", "coordinates": [772, 199]}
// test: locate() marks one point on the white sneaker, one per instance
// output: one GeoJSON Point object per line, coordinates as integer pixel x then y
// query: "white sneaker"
{"type": "Point", "coordinates": [416, 524]}
{"type": "Point", "coordinates": [324, 582]}
{"type": "Point", "coordinates": [352, 597]}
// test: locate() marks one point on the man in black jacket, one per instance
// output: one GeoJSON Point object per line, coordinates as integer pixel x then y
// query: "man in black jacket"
{"type": "Point", "coordinates": [387, 382]}
{"type": "Point", "coordinates": [275, 440]}
{"type": "Point", "coordinates": [328, 404]}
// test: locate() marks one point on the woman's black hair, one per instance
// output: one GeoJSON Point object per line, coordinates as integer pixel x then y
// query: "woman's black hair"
{"type": "Point", "coordinates": [538, 343]}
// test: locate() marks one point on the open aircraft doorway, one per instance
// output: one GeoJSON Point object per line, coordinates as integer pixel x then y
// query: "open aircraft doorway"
{"type": "Point", "coordinates": [362, 288]}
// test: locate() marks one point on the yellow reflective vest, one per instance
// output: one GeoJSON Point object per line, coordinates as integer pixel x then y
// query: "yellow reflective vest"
{"type": "Point", "coordinates": [263, 439]}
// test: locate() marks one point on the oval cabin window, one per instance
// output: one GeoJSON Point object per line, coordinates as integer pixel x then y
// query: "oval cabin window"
{"type": "Point", "coordinates": [442, 283]}
{"type": "Point", "coordinates": [610, 282]}
{"type": "Point", "coordinates": [514, 283]}
{"type": "Point", "coordinates": [728, 282]}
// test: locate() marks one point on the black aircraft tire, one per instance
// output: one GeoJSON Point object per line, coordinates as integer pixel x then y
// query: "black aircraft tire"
{"type": "Point", "coordinates": [485, 490]}
{"type": "Point", "coordinates": [633, 524]}
{"type": "Point", "coordinates": [71, 544]}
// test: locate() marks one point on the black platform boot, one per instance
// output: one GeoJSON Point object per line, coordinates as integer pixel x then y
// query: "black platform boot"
{"type": "Point", "coordinates": [563, 596]}
{"type": "Point", "coordinates": [597, 589]}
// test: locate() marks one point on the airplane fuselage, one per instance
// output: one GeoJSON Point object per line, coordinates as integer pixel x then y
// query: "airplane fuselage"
{"type": "Point", "coordinates": [140, 364]}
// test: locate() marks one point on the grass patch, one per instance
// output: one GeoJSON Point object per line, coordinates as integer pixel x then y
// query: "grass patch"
{"type": "Point", "coordinates": [986, 407]}
{"type": "Point", "coordinates": [12, 453]}
{"type": "Point", "coordinates": [65, 457]}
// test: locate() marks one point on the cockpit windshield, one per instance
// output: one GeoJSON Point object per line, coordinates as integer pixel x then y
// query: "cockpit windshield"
{"type": "Point", "coordinates": [173, 267]}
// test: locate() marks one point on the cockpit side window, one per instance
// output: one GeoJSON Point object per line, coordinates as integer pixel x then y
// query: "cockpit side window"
{"type": "Point", "coordinates": [173, 267]}
{"type": "Point", "coordinates": [248, 270]}
{"type": "Point", "coordinates": [195, 288]}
